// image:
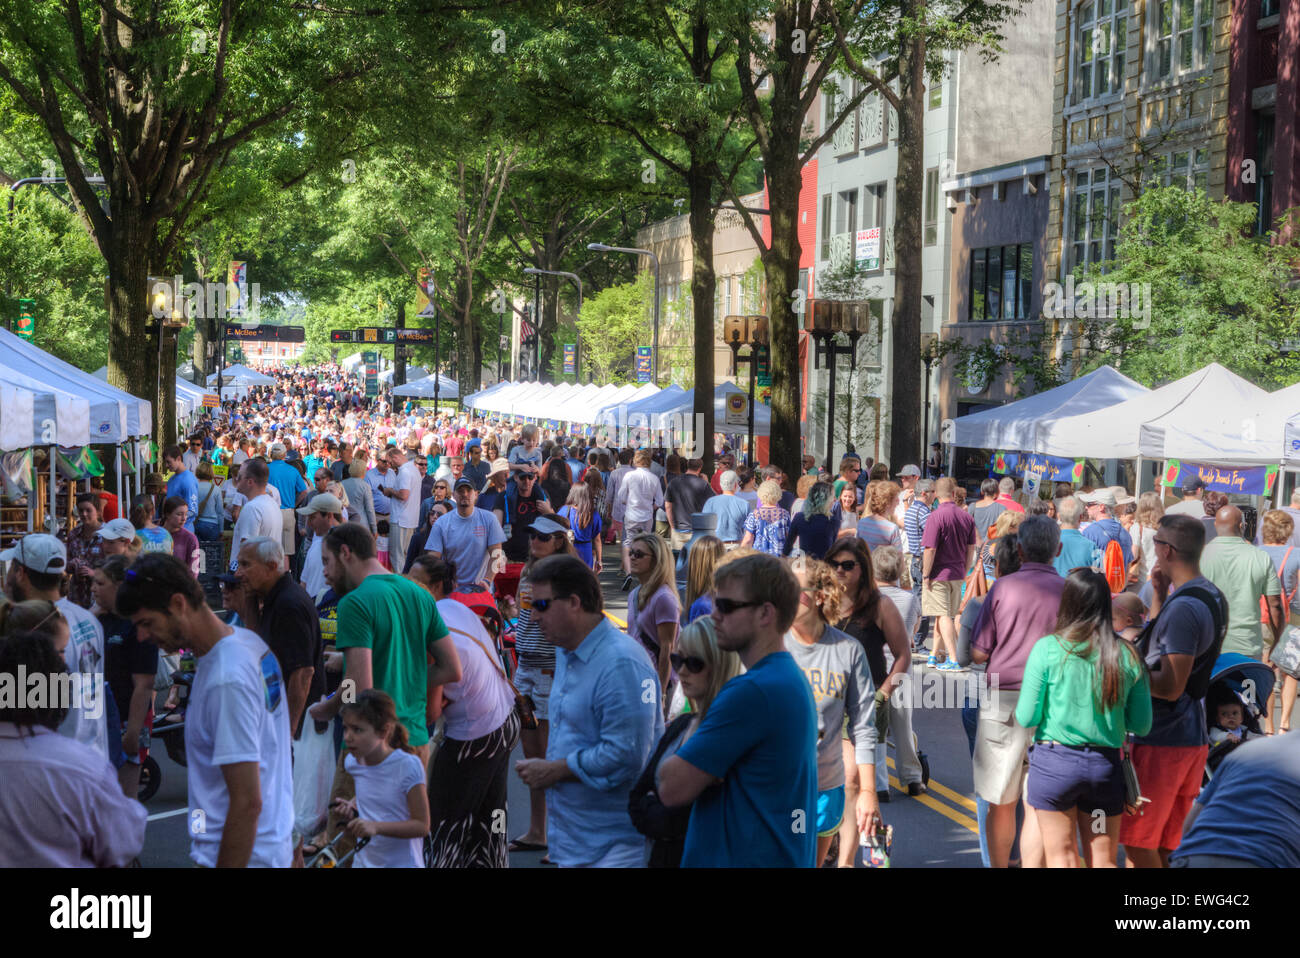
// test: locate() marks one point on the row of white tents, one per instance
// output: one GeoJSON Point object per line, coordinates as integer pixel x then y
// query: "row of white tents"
{"type": "Point", "coordinates": [626, 406]}
{"type": "Point", "coordinates": [1212, 417]}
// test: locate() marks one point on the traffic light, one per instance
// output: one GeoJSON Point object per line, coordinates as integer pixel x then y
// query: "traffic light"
{"type": "Point", "coordinates": [343, 336]}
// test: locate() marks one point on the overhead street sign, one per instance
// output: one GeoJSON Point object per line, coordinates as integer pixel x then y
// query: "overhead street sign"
{"type": "Point", "coordinates": [382, 335]}
{"type": "Point", "coordinates": [265, 333]}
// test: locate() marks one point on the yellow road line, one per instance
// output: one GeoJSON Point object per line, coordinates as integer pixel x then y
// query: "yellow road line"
{"type": "Point", "coordinates": [616, 620]}
{"type": "Point", "coordinates": [965, 821]}
{"type": "Point", "coordinates": [944, 790]}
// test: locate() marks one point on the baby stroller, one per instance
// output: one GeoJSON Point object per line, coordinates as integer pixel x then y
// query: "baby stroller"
{"type": "Point", "coordinates": [1241, 679]}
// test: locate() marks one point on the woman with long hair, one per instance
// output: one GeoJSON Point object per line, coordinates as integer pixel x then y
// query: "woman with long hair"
{"type": "Point", "coordinates": [1143, 533]}
{"type": "Point", "coordinates": [207, 521]}
{"type": "Point", "coordinates": [845, 512]}
{"type": "Point", "coordinates": [1084, 689]}
{"type": "Point", "coordinates": [153, 537]}
{"type": "Point", "coordinates": [836, 668]}
{"type": "Point", "coordinates": [653, 608]}
{"type": "Point", "coordinates": [469, 776]}
{"type": "Point", "coordinates": [701, 560]}
{"type": "Point", "coordinates": [584, 520]}
{"type": "Point", "coordinates": [878, 527]}
{"type": "Point", "coordinates": [557, 479]}
{"type": "Point", "coordinates": [812, 527]}
{"type": "Point", "coordinates": [876, 623]}
{"type": "Point", "coordinates": [703, 668]}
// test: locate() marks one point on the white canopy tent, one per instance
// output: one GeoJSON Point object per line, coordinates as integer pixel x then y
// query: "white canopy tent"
{"type": "Point", "coordinates": [597, 408]}
{"type": "Point", "coordinates": [189, 397]}
{"type": "Point", "coordinates": [572, 404]}
{"type": "Point", "coordinates": [471, 401]}
{"type": "Point", "coordinates": [412, 374]}
{"type": "Point", "coordinates": [1017, 425]}
{"type": "Point", "coordinates": [352, 363]}
{"type": "Point", "coordinates": [1250, 435]}
{"type": "Point", "coordinates": [423, 388]}
{"type": "Point", "coordinates": [115, 415]}
{"type": "Point", "coordinates": [29, 408]}
{"type": "Point", "coordinates": [551, 400]}
{"type": "Point", "coordinates": [240, 375]}
{"type": "Point", "coordinates": [1209, 401]}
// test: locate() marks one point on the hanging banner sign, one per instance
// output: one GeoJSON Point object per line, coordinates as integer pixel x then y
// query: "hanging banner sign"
{"type": "Point", "coordinates": [643, 364]}
{"type": "Point", "coordinates": [570, 352]}
{"type": "Point", "coordinates": [1251, 481]}
{"type": "Point", "coordinates": [1049, 468]}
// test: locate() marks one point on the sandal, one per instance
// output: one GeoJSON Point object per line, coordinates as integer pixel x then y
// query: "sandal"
{"type": "Point", "coordinates": [519, 845]}
{"type": "Point", "coordinates": [546, 860]}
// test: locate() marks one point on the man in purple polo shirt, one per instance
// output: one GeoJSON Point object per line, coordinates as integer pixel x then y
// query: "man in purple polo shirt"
{"type": "Point", "coordinates": [949, 544]}
{"type": "Point", "coordinates": [1019, 610]}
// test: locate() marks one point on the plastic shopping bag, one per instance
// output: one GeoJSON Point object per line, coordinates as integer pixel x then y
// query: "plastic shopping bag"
{"type": "Point", "coordinates": [313, 774]}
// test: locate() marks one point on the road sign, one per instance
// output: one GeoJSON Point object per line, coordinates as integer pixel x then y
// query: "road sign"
{"type": "Point", "coordinates": [381, 335]}
{"type": "Point", "coordinates": [764, 363]}
{"type": "Point", "coordinates": [26, 318]}
{"type": "Point", "coordinates": [643, 364]}
{"type": "Point", "coordinates": [570, 356]}
{"type": "Point", "coordinates": [265, 333]}
{"type": "Point", "coordinates": [372, 378]}
{"type": "Point", "coordinates": [737, 409]}
{"type": "Point", "coordinates": [370, 357]}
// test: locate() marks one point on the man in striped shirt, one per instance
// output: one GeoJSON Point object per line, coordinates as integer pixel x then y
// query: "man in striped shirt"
{"type": "Point", "coordinates": [913, 527]}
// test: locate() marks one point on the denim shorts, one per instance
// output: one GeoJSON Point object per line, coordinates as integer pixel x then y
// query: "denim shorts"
{"type": "Point", "coordinates": [1064, 777]}
{"type": "Point", "coordinates": [830, 811]}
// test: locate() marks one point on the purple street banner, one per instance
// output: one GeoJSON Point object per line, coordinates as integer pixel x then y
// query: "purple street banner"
{"type": "Point", "coordinates": [643, 364]}
{"type": "Point", "coordinates": [1049, 468]}
{"type": "Point", "coordinates": [1250, 481]}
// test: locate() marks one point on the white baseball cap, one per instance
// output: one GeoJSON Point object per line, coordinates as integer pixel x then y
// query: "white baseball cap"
{"type": "Point", "coordinates": [39, 552]}
{"type": "Point", "coordinates": [117, 529]}
{"type": "Point", "coordinates": [909, 471]}
{"type": "Point", "coordinates": [1103, 497]}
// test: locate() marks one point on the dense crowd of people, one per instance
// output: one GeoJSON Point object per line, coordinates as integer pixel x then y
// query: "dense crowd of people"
{"type": "Point", "coordinates": [371, 607]}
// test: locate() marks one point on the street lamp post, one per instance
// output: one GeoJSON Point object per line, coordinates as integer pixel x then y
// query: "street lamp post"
{"type": "Point", "coordinates": [929, 353]}
{"type": "Point", "coordinates": [577, 346]}
{"type": "Point", "coordinates": [824, 322]}
{"type": "Point", "coordinates": [603, 248]}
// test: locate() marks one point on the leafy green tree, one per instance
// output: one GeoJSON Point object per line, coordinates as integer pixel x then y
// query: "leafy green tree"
{"type": "Point", "coordinates": [1189, 286]}
{"type": "Point", "coordinates": [613, 324]}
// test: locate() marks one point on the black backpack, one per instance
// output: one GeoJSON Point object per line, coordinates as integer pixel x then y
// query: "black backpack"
{"type": "Point", "coordinates": [1198, 681]}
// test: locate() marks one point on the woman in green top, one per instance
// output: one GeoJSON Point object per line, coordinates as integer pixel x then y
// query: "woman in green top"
{"type": "Point", "coordinates": [1085, 689]}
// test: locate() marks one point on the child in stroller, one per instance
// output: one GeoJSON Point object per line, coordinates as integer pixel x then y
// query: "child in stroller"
{"type": "Point", "coordinates": [1239, 689]}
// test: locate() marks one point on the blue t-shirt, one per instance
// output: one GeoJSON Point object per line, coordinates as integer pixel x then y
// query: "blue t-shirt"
{"type": "Point", "coordinates": [731, 512]}
{"type": "Point", "coordinates": [1185, 626]}
{"type": "Point", "coordinates": [465, 541]}
{"type": "Point", "coordinates": [184, 484]}
{"type": "Point", "coordinates": [287, 481]}
{"type": "Point", "coordinates": [760, 738]}
{"type": "Point", "coordinates": [1076, 550]}
{"type": "Point", "coordinates": [1251, 808]}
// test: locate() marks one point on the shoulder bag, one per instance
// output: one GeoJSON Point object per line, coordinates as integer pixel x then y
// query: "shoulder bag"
{"type": "Point", "coordinates": [523, 704]}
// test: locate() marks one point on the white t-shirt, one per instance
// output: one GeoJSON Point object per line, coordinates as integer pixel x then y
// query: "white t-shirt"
{"type": "Point", "coordinates": [313, 570]}
{"type": "Point", "coordinates": [239, 712]}
{"type": "Point", "coordinates": [259, 517]}
{"type": "Point", "coordinates": [481, 700]}
{"type": "Point", "coordinates": [87, 721]}
{"type": "Point", "coordinates": [407, 514]}
{"type": "Point", "coordinates": [232, 499]}
{"type": "Point", "coordinates": [381, 797]}
{"type": "Point", "coordinates": [640, 493]}
{"type": "Point", "coordinates": [1191, 507]}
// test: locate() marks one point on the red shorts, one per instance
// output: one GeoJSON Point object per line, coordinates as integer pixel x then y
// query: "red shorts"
{"type": "Point", "coordinates": [1171, 777]}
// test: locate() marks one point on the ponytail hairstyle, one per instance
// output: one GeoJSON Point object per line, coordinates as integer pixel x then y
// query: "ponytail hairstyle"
{"type": "Point", "coordinates": [376, 709]}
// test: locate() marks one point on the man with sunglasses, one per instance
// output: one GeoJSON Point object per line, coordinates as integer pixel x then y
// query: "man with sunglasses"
{"type": "Point", "coordinates": [606, 717]}
{"type": "Point", "coordinates": [1189, 618]}
{"type": "Point", "coordinates": [850, 470]}
{"type": "Point", "coordinates": [758, 742]}
{"type": "Point", "coordinates": [470, 538]}
{"type": "Point", "coordinates": [519, 508]}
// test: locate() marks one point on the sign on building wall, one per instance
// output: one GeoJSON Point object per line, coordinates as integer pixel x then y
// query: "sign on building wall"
{"type": "Point", "coordinates": [866, 253]}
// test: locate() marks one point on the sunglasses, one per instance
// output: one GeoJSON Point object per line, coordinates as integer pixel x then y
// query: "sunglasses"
{"type": "Point", "coordinates": [728, 606]}
{"type": "Point", "coordinates": [687, 663]}
{"type": "Point", "coordinates": [846, 566]}
{"type": "Point", "coordinates": [637, 554]}
{"type": "Point", "coordinates": [525, 478]}
{"type": "Point", "coordinates": [541, 605]}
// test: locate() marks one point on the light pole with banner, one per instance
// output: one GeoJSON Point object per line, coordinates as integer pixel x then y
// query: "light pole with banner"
{"type": "Point", "coordinates": [577, 346]}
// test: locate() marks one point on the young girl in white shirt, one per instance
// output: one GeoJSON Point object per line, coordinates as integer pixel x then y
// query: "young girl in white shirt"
{"type": "Point", "coordinates": [391, 807]}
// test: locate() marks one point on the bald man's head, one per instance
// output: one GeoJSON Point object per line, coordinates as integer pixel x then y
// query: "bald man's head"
{"type": "Point", "coordinates": [1227, 521]}
{"type": "Point", "coordinates": [1295, 499]}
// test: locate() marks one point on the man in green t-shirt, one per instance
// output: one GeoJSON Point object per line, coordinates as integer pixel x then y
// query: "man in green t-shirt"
{"type": "Point", "coordinates": [389, 631]}
{"type": "Point", "coordinates": [1243, 573]}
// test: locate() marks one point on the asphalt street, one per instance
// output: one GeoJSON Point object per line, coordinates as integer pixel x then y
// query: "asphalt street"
{"type": "Point", "coordinates": [937, 829]}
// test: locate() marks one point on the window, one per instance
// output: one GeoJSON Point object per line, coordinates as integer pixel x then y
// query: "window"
{"type": "Point", "coordinates": [1186, 168]}
{"type": "Point", "coordinates": [846, 213]}
{"type": "Point", "coordinates": [869, 255]}
{"type": "Point", "coordinates": [1099, 42]}
{"type": "Point", "coordinates": [1264, 172]}
{"type": "Point", "coordinates": [1267, 8]}
{"type": "Point", "coordinates": [826, 226]}
{"type": "Point", "coordinates": [931, 206]}
{"type": "Point", "coordinates": [1094, 217]}
{"type": "Point", "coordinates": [726, 296]}
{"type": "Point", "coordinates": [1182, 36]}
{"type": "Point", "coordinates": [936, 94]}
{"type": "Point", "coordinates": [875, 122]}
{"type": "Point", "coordinates": [1001, 282]}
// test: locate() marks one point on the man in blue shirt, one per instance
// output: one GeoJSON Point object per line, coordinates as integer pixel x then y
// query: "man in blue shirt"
{"type": "Point", "coordinates": [1104, 527]}
{"type": "Point", "coordinates": [576, 464]}
{"type": "Point", "coordinates": [182, 483]}
{"type": "Point", "coordinates": [287, 480]}
{"type": "Point", "coordinates": [606, 716]}
{"type": "Point", "coordinates": [758, 742]}
{"type": "Point", "coordinates": [1076, 548]}
{"type": "Point", "coordinates": [730, 509]}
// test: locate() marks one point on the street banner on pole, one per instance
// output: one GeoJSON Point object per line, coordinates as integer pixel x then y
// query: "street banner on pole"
{"type": "Point", "coordinates": [424, 299]}
{"type": "Point", "coordinates": [26, 318]}
{"type": "Point", "coordinates": [569, 354]}
{"type": "Point", "coordinates": [643, 364]}
{"type": "Point", "coordinates": [237, 289]}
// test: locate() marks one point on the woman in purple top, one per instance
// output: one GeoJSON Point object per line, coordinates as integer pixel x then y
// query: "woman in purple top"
{"type": "Point", "coordinates": [185, 545]}
{"type": "Point", "coordinates": [654, 610]}
{"type": "Point", "coordinates": [767, 526]}
{"type": "Point", "coordinates": [877, 528]}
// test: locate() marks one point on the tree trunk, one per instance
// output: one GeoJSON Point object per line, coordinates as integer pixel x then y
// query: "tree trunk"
{"type": "Point", "coordinates": [399, 351]}
{"type": "Point", "coordinates": [132, 330]}
{"type": "Point", "coordinates": [550, 321]}
{"type": "Point", "coordinates": [781, 269]}
{"type": "Point", "coordinates": [468, 335]}
{"type": "Point", "coordinates": [904, 421]}
{"type": "Point", "coordinates": [704, 282]}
